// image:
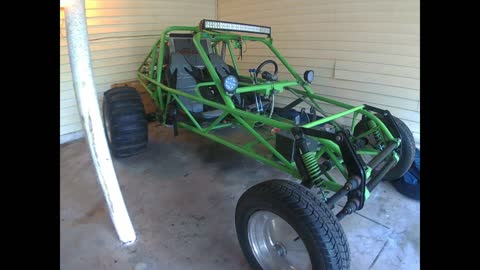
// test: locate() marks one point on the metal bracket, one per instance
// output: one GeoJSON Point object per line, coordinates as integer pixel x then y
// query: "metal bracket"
{"type": "Point", "coordinates": [388, 118]}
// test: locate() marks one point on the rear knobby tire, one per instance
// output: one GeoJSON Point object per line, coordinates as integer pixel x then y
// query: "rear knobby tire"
{"type": "Point", "coordinates": [125, 123]}
{"type": "Point", "coordinates": [309, 217]}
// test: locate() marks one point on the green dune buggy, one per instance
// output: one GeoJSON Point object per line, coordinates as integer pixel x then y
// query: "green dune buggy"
{"type": "Point", "coordinates": [193, 76]}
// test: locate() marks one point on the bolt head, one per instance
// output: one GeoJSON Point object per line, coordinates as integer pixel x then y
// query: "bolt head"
{"type": "Point", "coordinates": [280, 249]}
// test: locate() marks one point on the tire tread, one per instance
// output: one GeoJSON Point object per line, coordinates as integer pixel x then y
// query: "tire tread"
{"type": "Point", "coordinates": [127, 121]}
{"type": "Point", "coordinates": [310, 210]}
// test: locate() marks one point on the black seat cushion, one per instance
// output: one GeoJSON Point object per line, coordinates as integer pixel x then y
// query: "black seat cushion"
{"type": "Point", "coordinates": [181, 71]}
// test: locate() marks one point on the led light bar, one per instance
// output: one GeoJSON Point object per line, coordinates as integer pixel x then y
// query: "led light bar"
{"type": "Point", "coordinates": [235, 27]}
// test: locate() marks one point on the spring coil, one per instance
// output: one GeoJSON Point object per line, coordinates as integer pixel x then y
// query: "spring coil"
{"type": "Point", "coordinates": [311, 165]}
{"type": "Point", "coordinates": [379, 139]}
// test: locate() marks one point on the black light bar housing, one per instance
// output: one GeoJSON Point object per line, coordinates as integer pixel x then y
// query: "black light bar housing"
{"type": "Point", "coordinates": [206, 24]}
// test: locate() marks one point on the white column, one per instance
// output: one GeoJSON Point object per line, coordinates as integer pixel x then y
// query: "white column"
{"type": "Point", "coordinates": [87, 101]}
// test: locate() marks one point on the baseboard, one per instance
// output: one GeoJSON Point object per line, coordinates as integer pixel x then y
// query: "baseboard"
{"type": "Point", "coordinates": [65, 138]}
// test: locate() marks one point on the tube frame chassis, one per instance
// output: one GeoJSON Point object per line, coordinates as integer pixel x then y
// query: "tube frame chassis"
{"type": "Point", "coordinates": [342, 148]}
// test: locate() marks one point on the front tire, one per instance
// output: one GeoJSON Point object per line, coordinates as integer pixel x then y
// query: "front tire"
{"type": "Point", "coordinates": [124, 120]}
{"type": "Point", "coordinates": [282, 225]}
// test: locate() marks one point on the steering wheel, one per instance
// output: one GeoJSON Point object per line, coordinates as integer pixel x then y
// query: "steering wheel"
{"type": "Point", "coordinates": [265, 74]}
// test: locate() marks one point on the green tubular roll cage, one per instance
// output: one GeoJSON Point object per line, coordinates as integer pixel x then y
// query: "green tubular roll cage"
{"type": "Point", "coordinates": [163, 95]}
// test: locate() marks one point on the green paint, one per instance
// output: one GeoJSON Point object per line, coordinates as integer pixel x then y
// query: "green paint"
{"type": "Point", "coordinates": [368, 172]}
{"type": "Point", "coordinates": [332, 117]}
{"type": "Point", "coordinates": [367, 193]}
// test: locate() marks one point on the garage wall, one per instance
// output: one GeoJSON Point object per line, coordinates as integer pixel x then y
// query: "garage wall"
{"type": "Point", "coordinates": [121, 33]}
{"type": "Point", "coordinates": [362, 51]}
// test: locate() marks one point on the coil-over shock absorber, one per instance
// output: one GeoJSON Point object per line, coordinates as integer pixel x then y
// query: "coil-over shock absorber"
{"type": "Point", "coordinates": [305, 160]}
{"type": "Point", "coordinates": [311, 164]}
{"type": "Point", "coordinates": [377, 135]}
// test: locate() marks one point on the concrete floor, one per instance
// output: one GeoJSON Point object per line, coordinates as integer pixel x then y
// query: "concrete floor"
{"type": "Point", "coordinates": [181, 195]}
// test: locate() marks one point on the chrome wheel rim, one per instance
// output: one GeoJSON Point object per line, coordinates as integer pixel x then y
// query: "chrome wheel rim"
{"type": "Point", "coordinates": [275, 244]}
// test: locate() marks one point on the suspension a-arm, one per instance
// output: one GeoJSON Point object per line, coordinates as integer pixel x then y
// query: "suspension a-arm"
{"type": "Point", "coordinates": [356, 183]}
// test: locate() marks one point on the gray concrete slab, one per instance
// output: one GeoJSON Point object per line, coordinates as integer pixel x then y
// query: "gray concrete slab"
{"type": "Point", "coordinates": [181, 195]}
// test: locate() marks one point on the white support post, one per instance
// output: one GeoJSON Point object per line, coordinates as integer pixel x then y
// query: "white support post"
{"type": "Point", "coordinates": [87, 100]}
